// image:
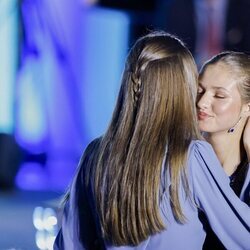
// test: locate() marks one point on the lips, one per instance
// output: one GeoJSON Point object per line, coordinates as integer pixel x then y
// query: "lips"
{"type": "Point", "coordinates": [203, 115]}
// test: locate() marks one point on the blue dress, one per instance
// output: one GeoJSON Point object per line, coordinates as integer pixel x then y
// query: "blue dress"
{"type": "Point", "coordinates": [228, 216]}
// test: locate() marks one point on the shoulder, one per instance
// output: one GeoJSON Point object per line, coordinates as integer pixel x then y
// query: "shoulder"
{"type": "Point", "coordinates": [202, 151]}
{"type": "Point", "coordinates": [205, 170]}
{"type": "Point", "coordinates": [202, 157]}
{"type": "Point", "coordinates": [200, 146]}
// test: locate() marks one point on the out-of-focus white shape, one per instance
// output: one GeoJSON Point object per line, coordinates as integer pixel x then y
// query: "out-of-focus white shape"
{"type": "Point", "coordinates": [38, 218]}
{"type": "Point", "coordinates": [45, 221]}
{"type": "Point", "coordinates": [50, 241]}
{"type": "Point", "coordinates": [49, 219]}
{"type": "Point", "coordinates": [41, 240]}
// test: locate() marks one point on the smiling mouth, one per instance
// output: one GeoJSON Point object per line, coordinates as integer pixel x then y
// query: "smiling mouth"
{"type": "Point", "coordinates": [203, 116]}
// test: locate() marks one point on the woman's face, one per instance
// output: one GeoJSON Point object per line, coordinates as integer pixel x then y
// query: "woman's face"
{"type": "Point", "coordinates": [219, 103]}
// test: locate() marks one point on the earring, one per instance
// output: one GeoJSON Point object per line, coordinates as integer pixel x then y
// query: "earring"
{"type": "Point", "coordinates": [231, 130]}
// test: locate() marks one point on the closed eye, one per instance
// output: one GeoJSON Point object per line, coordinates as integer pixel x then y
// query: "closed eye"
{"type": "Point", "coordinates": [220, 96]}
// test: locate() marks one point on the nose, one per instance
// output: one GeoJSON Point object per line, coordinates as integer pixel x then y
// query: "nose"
{"type": "Point", "coordinates": [203, 101]}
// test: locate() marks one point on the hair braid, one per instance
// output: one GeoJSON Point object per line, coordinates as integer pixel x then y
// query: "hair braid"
{"type": "Point", "coordinates": [136, 88]}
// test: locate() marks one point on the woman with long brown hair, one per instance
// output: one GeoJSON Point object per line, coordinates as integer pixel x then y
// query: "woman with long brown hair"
{"type": "Point", "coordinates": [141, 185]}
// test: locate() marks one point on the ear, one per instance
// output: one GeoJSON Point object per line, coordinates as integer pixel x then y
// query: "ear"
{"type": "Point", "coordinates": [245, 112]}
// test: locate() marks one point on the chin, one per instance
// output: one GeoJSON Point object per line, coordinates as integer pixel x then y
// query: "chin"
{"type": "Point", "coordinates": [203, 126]}
{"type": "Point", "coordinates": [205, 129]}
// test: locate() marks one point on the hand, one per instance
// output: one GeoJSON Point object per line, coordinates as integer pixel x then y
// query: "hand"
{"type": "Point", "coordinates": [246, 138]}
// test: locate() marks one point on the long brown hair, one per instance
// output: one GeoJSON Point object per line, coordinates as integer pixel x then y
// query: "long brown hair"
{"type": "Point", "coordinates": [155, 115]}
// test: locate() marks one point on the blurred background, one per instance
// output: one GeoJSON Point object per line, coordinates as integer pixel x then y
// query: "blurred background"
{"type": "Point", "coordinates": [60, 68]}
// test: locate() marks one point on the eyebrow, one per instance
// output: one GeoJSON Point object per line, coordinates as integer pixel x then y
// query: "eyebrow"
{"type": "Point", "coordinates": [215, 87]}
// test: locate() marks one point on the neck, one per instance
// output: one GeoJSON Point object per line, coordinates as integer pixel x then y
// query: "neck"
{"type": "Point", "coordinates": [228, 148]}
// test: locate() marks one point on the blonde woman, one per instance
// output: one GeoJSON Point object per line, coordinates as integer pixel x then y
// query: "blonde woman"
{"type": "Point", "coordinates": [141, 185]}
{"type": "Point", "coordinates": [223, 114]}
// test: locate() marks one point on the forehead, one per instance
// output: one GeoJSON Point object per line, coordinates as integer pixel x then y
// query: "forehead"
{"type": "Point", "coordinates": [219, 75]}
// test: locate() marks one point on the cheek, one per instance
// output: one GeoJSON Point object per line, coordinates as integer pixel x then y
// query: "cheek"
{"type": "Point", "coordinates": [227, 113]}
{"type": "Point", "coordinates": [226, 108]}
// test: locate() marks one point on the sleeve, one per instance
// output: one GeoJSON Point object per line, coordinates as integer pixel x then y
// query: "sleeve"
{"type": "Point", "coordinates": [228, 216]}
{"type": "Point", "coordinates": [78, 230]}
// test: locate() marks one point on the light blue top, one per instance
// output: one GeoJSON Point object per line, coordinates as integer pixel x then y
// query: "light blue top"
{"type": "Point", "coordinates": [228, 216]}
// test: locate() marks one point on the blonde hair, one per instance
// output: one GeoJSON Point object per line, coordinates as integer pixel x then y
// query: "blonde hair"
{"type": "Point", "coordinates": [239, 64]}
{"type": "Point", "coordinates": [155, 109]}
